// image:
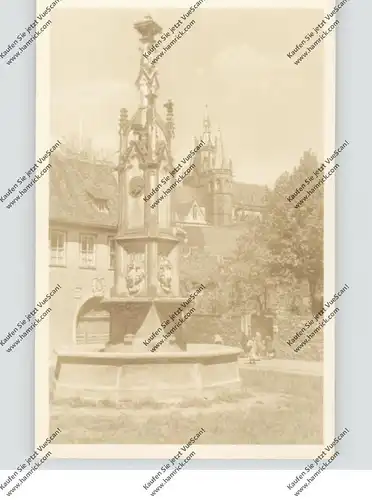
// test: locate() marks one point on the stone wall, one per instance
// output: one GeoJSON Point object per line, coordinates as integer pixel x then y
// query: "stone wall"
{"type": "Point", "coordinates": [202, 328]}
{"type": "Point", "coordinates": [288, 325]}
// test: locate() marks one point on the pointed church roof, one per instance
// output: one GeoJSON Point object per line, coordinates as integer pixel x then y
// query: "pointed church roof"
{"type": "Point", "coordinates": [221, 161]}
{"type": "Point", "coordinates": [252, 195]}
{"type": "Point", "coordinates": [206, 136]}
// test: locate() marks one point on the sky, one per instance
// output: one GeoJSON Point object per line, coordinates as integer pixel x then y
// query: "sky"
{"type": "Point", "coordinates": [234, 61]}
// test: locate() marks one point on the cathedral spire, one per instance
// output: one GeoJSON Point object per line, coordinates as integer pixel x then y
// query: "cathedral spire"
{"type": "Point", "coordinates": [206, 126]}
{"type": "Point", "coordinates": [221, 162]}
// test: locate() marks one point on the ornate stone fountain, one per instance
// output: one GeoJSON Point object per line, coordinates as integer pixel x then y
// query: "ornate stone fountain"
{"type": "Point", "coordinates": [146, 290]}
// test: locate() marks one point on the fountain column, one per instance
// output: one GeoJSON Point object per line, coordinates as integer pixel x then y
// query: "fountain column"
{"type": "Point", "coordinates": [146, 277]}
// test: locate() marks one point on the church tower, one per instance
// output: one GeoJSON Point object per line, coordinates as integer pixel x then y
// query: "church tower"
{"type": "Point", "coordinates": [215, 173]}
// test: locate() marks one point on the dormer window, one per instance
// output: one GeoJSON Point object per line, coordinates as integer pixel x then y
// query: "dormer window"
{"type": "Point", "coordinates": [101, 205]}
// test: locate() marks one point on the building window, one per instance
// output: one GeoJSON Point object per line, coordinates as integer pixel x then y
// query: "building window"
{"type": "Point", "coordinates": [87, 250]}
{"type": "Point", "coordinates": [111, 247]}
{"type": "Point", "coordinates": [194, 212]}
{"type": "Point", "coordinates": [57, 244]}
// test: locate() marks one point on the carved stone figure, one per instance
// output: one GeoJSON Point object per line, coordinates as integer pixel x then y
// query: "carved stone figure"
{"type": "Point", "coordinates": [135, 276]}
{"type": "Point", "coordinates": [165, 274]}
{"type": "Point", "coordinates": [98, 287]}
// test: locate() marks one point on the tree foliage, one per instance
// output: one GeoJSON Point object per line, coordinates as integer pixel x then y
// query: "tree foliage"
{"type": "Point", "coordinates": [296, 234]}
{"type": "Point", "coordinates": [286, 246]}
{"type": "Point", "coordinates": [280, 250]}
{"type": "Point", "coordinates": [201, 267]}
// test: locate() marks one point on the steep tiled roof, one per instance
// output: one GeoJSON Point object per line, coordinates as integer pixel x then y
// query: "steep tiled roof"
{"type": "Point", "coordinates": [73, 186]}
{"type": "Point", "coordinates": [252, 195]}
{"type": "Point", "coordinates": [76, 183]}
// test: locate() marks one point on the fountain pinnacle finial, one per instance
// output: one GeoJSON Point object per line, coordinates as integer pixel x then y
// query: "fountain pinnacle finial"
{"type": "Point", "coordinates": [147, 81]}
{"type": "Point", "coordinates": [148, 29]}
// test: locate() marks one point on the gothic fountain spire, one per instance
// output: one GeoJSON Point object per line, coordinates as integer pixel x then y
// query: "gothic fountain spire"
{"type": "Point", "coordinates": [146, 247]}
{"type": "Point", "coordinates": [147, 81]}
{"type": "Point", "coordinates": [148, 85]}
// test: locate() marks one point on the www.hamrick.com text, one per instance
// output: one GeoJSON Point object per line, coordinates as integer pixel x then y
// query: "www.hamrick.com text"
{"type": "Point", "coordinates": [319, 465]}
{"type": "Point", "coordinates": [321, 31]}
{"type": "Point", "coordinates": [164, 182]}
{"type": "Point", "coordinates": [319, 176]}
{"type": "Point", "coordinates": [165, 37]}
{"type": "Point", "coordinates": [177, 462]}
{"type": "Point", "coordinates": [21, 181]}
{"type": "Point", "coordinates": [20, 41]}
{"type": "Point", "coordinates": [27, 325]}
{"type": "Point", "coordinates": [178, 315]}
{"type": "Point", "coordinates": [29, 465]}
{"type": "Point", "coordinates": [319, 318]}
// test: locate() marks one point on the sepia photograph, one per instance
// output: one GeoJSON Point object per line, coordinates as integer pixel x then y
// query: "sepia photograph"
{"type": "Point", "coordinates": [185, 231]}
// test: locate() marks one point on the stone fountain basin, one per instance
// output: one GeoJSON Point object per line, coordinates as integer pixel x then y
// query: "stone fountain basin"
{"type": "Point", "coordinates": [130, 375]}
